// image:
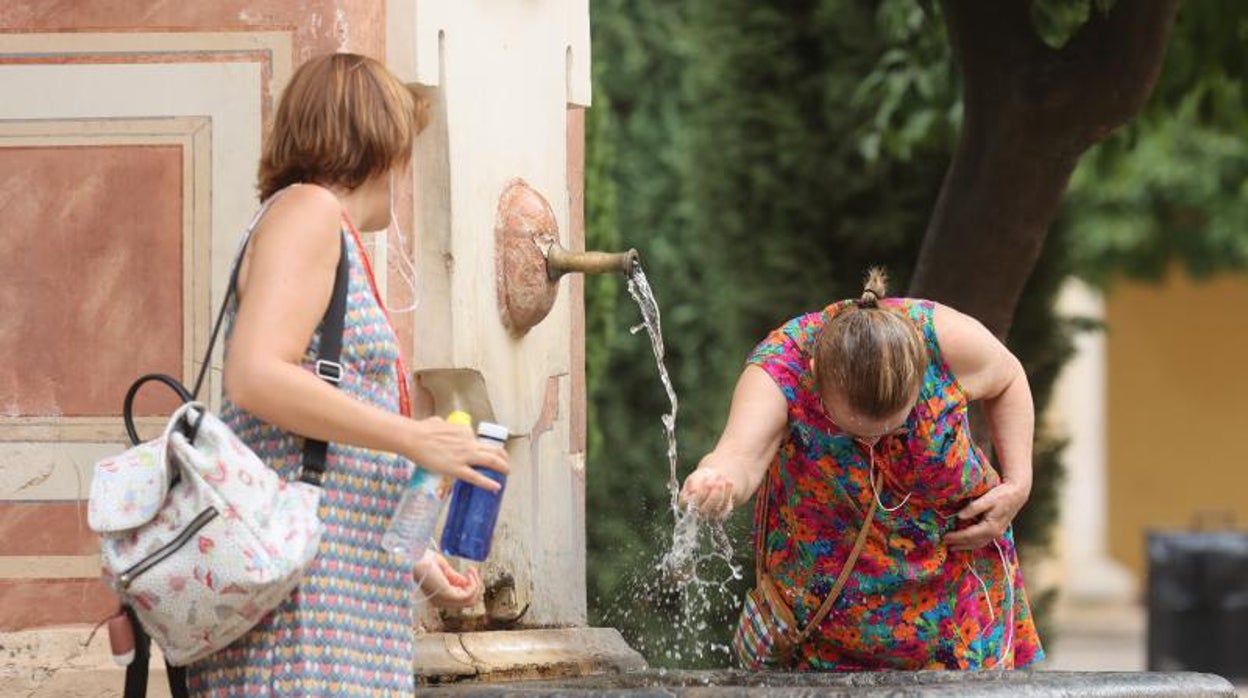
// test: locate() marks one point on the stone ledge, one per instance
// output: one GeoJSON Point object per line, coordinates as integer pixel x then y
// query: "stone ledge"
{"type": "Point", "coordinates": [58, 662]}
{"type": "Point", "coordinates": [511, 655]}
{"type": "Point", "coordinates": [702, 684]}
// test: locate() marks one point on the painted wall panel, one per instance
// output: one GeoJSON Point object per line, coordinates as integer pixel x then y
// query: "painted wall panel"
{"type": "Point", "coordinates": [93, 258]}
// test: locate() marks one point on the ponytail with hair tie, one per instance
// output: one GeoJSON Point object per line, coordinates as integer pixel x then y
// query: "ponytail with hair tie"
{"type": "Point", "coordinates": [871, 354]}
{"type": "Point", "coordinates": [874, 288]}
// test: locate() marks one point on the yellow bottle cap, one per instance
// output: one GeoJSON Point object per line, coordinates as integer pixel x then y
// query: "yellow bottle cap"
{"type": "Point", "coordinates": [459, 417]}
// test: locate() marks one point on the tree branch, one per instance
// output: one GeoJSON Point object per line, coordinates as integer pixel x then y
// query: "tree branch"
{"type": "Point", "coordinates": [1030, 112]}
{"type": "Point", "coordinates": [1111, 64]}
{"type": "Point", "coordinates": [991, 40]}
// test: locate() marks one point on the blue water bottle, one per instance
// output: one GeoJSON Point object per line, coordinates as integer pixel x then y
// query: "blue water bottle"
{"type": "Point", "coordinates": [411, 527]}
{"type": "Point", "coordinates": [470, 521]}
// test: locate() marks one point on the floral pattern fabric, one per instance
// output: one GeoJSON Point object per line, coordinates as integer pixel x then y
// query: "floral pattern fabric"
{"type": "Point", "coordinates": [910, 603]}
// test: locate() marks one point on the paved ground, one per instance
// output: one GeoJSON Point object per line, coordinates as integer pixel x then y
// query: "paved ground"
{"type": "Point", "coordinates": [1098, 638]}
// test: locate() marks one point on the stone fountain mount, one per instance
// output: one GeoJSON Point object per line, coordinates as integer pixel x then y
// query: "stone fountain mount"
{"type": "Point", "coordinates": [495, 175]}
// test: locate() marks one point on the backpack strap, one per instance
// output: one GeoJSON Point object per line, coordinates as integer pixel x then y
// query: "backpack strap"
{"type": "Point", "coordinates": [137, 669]}
{"type": "Point", "coordinates": [328, 366]}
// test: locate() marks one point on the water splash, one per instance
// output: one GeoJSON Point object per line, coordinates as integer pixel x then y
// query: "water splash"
{"type": "Point", "coordinates": [694, 574]}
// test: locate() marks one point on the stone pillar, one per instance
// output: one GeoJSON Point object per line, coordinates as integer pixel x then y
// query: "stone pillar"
{"type": "Point", "coordinates": [502, 75]}
{"type": "Point", "coordinates": [1088, 574]}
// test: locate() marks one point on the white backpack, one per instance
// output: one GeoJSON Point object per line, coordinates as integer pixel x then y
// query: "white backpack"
{"type": "Point", "coordinates": [197, 535]}
{"type": "Point", "coordinates": [201, 538]}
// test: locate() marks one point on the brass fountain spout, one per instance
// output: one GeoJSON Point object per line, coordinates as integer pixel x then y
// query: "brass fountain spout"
{"type": "Point", "coordinates": [560, 261]}
{"type": "Point", "coordinates": [530, 261]}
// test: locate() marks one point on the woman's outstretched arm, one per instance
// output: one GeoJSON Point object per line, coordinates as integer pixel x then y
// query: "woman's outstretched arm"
{"type": "Point", "coordinates": [729, 474]}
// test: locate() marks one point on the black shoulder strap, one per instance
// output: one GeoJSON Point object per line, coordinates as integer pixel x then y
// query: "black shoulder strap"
{"type": "Point", "coordinates": [137, 669]}
{"type": "Point", "coordinates": [327, 364]}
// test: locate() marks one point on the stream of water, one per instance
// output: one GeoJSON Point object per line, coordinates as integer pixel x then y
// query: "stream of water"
{"type": "Point", "coordinates": [698, 566]}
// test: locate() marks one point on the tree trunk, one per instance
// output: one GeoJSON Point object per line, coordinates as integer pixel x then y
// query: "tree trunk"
{"type": "Point", "coordinates": [1030, 112]}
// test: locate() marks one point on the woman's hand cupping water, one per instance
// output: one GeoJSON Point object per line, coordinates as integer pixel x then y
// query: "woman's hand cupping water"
{"type": "Point", "coordinates": [708, 491]}
{"type": "Point", "coordinates": [445, 587]}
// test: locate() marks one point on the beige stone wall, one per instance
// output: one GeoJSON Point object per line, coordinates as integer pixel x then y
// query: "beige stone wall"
{"type": "Point", "coordinates": [129, 137]}
{"type": "Point", "coordinates": [1177, 407]}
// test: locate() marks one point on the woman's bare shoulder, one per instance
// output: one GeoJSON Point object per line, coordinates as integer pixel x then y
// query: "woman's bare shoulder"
{"type": "Point", "coordinates": [300, 229]}
{"type": "Point", "coordinates": [977, 358]}
{"type": "Point", "coordinates": [302, 211]}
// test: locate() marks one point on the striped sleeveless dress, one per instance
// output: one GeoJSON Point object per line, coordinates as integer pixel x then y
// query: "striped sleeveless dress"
{"type": "Point", "coordinates": [347, 629]}
{"type": "Point", "coordinates": [910, 603]}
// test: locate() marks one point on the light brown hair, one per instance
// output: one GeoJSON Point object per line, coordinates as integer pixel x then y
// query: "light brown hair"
{"type": "Point", "coordinates": [871, 354]}
{"type": "Point", "coordinates": [342, 120]}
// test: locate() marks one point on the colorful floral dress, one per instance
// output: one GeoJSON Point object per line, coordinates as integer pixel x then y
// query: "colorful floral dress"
{"type": "Point", "coordinates": [910, 603]}
{"type": "Point", "coordinates": [347, 629]}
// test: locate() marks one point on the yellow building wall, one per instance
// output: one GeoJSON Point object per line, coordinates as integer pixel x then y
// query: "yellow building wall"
{"type": "Point", "coordinates": [1177, 357]}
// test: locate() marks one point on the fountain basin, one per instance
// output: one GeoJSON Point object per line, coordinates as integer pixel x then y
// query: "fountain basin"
{"type": "Point", "coordinates": [891, 683]}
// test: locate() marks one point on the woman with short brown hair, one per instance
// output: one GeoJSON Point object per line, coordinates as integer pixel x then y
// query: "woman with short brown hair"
{"type": "Point", "coordinates": [343, 127]}
{"type": "Point", "coordinates": [343, 120]}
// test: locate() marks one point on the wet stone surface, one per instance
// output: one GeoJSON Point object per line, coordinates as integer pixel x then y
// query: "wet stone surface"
{"type": "Point", "coordinates": [927, 683]}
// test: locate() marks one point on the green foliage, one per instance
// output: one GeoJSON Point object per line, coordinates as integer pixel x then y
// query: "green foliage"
{"type": "Point", "coordinates": [1172, 186]}
{"type": "Point", "coordinates": [912, 89]}
{"type": "Point", "coordinates": [633, 193]}
{"type": "Point", "coordinates": [602, 292]}
{"type": "Point", "coordinates": [801, 187]}
{"type": "Point", "coordinates": [1056, 21]}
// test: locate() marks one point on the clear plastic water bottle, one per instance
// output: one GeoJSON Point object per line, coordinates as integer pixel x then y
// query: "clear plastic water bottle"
{"type": "Point", "coordinates": [470, 522]}
{"type": "Point", "coordinates": [411, 528]}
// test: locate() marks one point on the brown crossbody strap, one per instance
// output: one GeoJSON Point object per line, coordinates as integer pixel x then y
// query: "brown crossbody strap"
{"type": "Point", "coordinates": [834, 593]}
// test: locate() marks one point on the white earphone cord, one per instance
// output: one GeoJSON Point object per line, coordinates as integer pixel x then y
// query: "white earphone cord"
{"type": "Point", "coordinates": [1008, 644]}
{"type": "Point", "coordinates": [397, 253]}
{"type": "Point", "coordinates": [1007, 647]}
